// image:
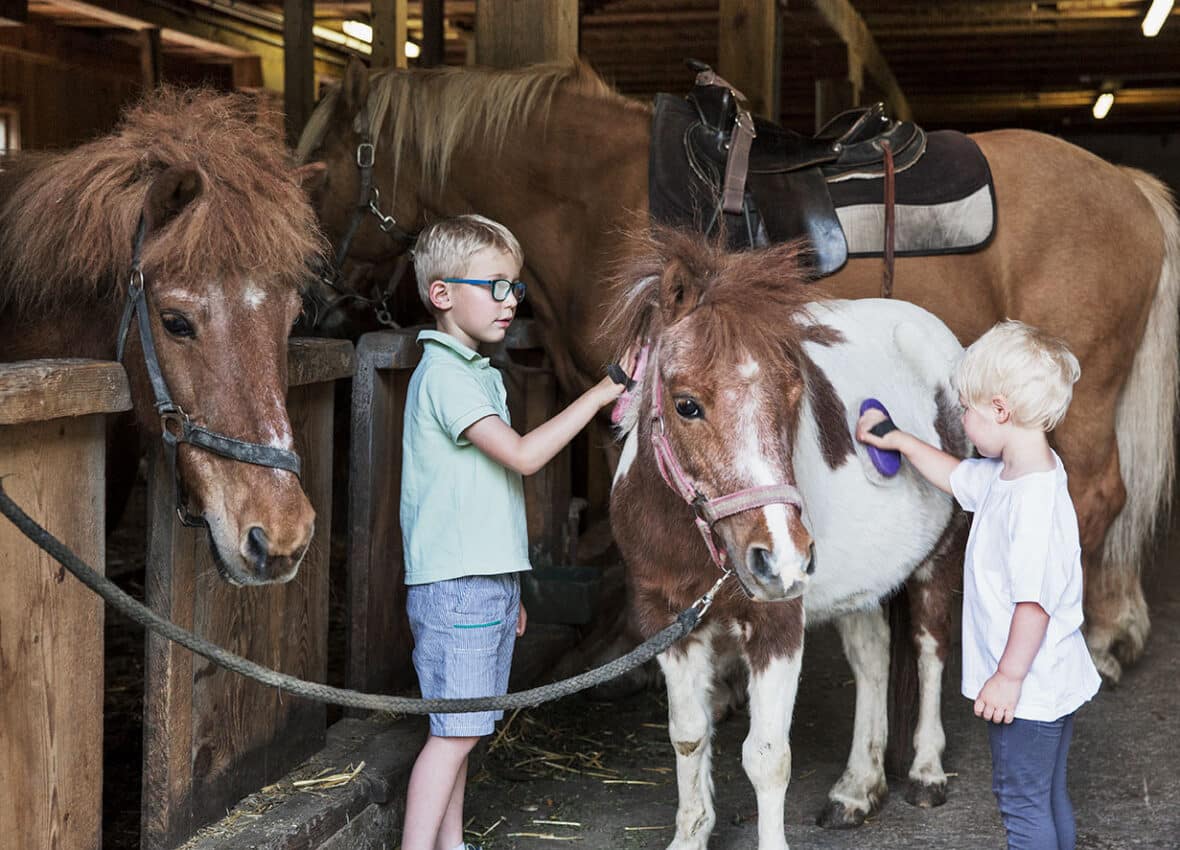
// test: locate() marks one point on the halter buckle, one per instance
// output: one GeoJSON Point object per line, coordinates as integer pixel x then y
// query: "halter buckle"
{"type": "Point", "coordinates": [135, 284]}
{"type": "Point", "coordinates": [365, 155]}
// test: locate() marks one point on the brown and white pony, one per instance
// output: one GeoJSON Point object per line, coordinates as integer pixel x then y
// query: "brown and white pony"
{"type": "Point", "coordinates": [753, 385]}
{"type": "Point", "coordinates": [230, 238]}
{"type": "Point", "coordinates": [1084, 249]}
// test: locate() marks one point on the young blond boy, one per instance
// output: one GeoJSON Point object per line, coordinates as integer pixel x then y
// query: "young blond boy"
{"type": "Point", "coordinates": [462, 508]}
{"type": "Point", "coordinates": [1025, 662]}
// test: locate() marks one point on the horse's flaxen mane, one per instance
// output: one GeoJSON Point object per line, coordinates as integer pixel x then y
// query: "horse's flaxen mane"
{"type": "Point", "coordinates": [439, 109]}
{"type": "Point", "coordinates": [67, 220]}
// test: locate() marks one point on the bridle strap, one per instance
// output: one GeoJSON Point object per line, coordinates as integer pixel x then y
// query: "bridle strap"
{"type": "Point", "coordinates": [175, 425]}
{"type": "Point", "coordinates": [707, 512]}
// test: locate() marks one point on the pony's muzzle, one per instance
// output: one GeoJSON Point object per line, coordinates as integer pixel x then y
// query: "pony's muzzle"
{"type": "Point", "coordinates": [774, 580]}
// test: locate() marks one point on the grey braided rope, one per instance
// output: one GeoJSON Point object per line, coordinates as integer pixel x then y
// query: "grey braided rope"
{"type": "Point", "coordinates": [136, 611]}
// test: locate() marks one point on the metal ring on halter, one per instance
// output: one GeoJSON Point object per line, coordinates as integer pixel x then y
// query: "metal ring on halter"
{"type": "Point", "coordinates": [365, 155]}
{"type": "Point", "coordinates": [135, 285]}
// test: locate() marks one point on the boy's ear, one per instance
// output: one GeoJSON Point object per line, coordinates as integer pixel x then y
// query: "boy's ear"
{"type": "Point", "coordinates": [1001, 410]}
{"type": "Point", "coordinates": [440, 295]}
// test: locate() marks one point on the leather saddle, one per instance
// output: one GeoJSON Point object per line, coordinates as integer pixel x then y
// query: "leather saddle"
{"type": "Point", "coordinates": [760, 182]}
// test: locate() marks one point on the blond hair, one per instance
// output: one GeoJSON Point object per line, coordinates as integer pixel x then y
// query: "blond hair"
{"type": "Point", "coordinates": [1034, 371]}
{"type": "Point", "coordinates": [445, 248]}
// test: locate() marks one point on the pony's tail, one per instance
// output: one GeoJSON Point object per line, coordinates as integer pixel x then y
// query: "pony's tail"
{"type": "Point", "coordinates": [1146, 413]}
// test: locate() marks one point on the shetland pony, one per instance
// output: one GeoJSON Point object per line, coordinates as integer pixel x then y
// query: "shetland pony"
{"type": "Point", "coordinates": [754, 385]}
{"type": "Point", "coordinates": [1084, 249]}
{"type": "Point", "coordinates": [230, 238]}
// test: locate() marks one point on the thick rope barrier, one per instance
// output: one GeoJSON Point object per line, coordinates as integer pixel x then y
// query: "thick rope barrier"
{"type": "Point", "coordinates": [134, 610]}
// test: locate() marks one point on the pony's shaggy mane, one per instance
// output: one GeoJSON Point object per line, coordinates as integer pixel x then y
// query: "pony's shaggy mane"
{"type": "Point", "coordinates": [752, 301]}
{"type": "Point", "coordinates": [67, 220]}
{"type": "Point", "coordinates": [439, 109]}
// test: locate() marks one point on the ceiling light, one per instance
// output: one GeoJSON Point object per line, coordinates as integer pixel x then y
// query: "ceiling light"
{"type": "Point", "coordinates": [413, 51]}
{"type": "Point", "coordinates": [358, 30]}
{"type": "Point", "coordinates": [1155, 17]}
{"type": "Point", "coordinates": [1103, 104]}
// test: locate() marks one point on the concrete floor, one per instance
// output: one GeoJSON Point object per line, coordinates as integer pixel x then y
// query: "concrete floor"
{"type": "Point", "coordinates": [1124, 764]}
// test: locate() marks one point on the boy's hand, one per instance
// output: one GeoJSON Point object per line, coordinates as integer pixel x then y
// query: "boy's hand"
{"type": "Point", "coordinates": [997, 700]}
{"type": "Point", "coordinates": [522, 619]}
{"type": "Point", "coordinates": [868, 419]}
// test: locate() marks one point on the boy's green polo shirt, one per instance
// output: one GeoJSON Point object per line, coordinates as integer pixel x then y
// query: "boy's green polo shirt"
{"type": "Point", "coordinates": [461, 512]}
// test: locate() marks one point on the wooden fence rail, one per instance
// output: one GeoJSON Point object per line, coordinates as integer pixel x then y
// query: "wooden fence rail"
{"type": "Point", "coordinates": [52, 458]}
{"type": "Point", "coordinates": [210, 737]}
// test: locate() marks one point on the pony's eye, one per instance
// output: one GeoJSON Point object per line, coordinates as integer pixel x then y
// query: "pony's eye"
{"type": "Point", "coordinates": [177, 325]}
{"type": "Point", "coordinates": [689, 409]}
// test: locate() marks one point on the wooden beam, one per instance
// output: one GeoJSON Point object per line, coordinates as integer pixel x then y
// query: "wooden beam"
{"type": "Point", "coordinates": [749, 51]}
{"type": "Point", "coordinates": [247, 72]}
{"type": "Point", "coordinates": [298, 65]}
{"type": "Point", "coordinates": [433, 34]}
{"type": "Point", "coordinates": [149, 56]}
{"type": "Point", "coordinates": [389, 34]}
{"type": "Point", "coordinates": [511, 33]}
{"type": "Point", "coordinates": [13, 12]}
{"type": "Point", "coordinates": [843, 20]}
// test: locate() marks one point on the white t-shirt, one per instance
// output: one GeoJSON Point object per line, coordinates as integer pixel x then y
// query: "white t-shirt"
{"type": "Point", "coordinates": [1023, 547]}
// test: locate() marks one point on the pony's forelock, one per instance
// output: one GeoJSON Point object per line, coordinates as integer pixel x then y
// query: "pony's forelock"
{"type": "Point", "coordinates": [68, 221]}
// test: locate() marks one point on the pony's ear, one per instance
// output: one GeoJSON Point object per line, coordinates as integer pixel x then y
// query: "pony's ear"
{"type": "Point", "coordinates": [310, 176]}
{"type": "Point", "coordinates": [354, 88]}
{"type": "Point", "coordinates": [173, 190]}
{"type": "Point", "coordinates": [677, 294]}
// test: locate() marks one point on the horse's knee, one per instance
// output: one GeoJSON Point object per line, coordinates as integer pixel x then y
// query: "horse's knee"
{"type": "Point", "coordinates": [1098, 495]}
{"type": "Point", "coordinates": [766, 762]}
{"type": "Point", "coordinates": [688, 748]}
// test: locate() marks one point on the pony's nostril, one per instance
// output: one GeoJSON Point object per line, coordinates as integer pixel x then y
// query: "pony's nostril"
{"type": "Point", "coordinates": [760, 562]}
{"type": "Point", "coordinates": [257, 547]}
{"type": "Point", "coordinates": [810, 569]}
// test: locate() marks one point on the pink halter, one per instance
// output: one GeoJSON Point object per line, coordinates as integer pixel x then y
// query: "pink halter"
{"type": "Point", "coordinates": [708, 511]}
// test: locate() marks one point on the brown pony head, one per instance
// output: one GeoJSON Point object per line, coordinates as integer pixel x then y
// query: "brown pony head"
{"type": "Point", "coordinates": [230, 237]}
{"type": "Point", "coordinates": [725, 332]}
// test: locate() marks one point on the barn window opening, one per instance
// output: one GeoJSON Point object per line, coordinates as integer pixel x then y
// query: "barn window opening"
{"type": "Point", "coordinates": [9, 130]}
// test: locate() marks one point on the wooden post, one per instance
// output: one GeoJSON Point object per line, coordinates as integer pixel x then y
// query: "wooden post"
{"type": "Point", "coordinates": [511, 33]}
{"type": "Point", "coordinates": [298, 65]}
{"type": "Point", "coordinates": [52, 459]}
{"type": "Point", "coordinates": [247, 72]}
{"type": "Point", "coordinates": [389, 34]}
{"type": "Point", "coordinates": [149, 57]}
{"type": "Point", "coordinates": [749, 54]}
{"type": "Point", "coordinates": [210, 736]}
{"type": "Point", "coordinates": [433, 34]}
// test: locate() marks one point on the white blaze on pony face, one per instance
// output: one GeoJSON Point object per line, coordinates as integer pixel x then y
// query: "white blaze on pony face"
{"type": "Point", "coordinates": [726, 423]}
{"type": "Point", "coordinates": [254, 297]}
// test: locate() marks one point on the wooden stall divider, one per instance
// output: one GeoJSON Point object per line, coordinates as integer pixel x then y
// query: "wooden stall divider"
{"type": "Point", "coordinates": [52, 459]}
{"type": "Point", "coordinates": [210, 736]}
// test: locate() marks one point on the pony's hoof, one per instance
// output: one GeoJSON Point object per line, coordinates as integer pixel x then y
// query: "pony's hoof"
{"type": "Point", "coordinates": [1108, 667]}
{"type": "Point", "coordinates": [925, 796]}
{"type": "Point", "coordinates": [836, 815]}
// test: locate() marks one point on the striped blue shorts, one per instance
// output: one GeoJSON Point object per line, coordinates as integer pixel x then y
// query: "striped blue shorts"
{"type": "Point", "coordinates": [464, 631]}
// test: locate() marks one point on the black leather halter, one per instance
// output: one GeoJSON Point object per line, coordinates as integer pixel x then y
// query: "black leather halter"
{"type": "Point", "coordinates": [175, 424]}
{"type": "Point", "coordinates": [368, 203]}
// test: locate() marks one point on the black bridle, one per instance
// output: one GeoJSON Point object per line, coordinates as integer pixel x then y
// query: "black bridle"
{"type": "Point", "coordinates": [175, 424]}
{"type": "Point", "coordinates": [368, 203]}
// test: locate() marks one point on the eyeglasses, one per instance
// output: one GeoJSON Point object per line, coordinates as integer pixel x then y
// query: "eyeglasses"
{"type": "Point", "coordinates": [500, 287]}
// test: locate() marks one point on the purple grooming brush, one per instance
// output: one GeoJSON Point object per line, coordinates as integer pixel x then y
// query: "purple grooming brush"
{"type": "Point", "coordinates": [887, 462]}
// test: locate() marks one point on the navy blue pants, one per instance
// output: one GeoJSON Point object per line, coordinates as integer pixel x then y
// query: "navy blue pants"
{"type": "Point", "coordinates": [1028, 778]}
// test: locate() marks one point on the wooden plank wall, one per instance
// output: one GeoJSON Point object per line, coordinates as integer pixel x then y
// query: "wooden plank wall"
{"type": "Point", "coordinates": [210, 736]}
{"type": "Point", "coordinates": [52, 459]}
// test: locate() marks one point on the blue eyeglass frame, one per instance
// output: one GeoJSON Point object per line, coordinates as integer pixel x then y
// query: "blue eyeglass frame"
{"type": "Point", "coordinates": [516, 287]}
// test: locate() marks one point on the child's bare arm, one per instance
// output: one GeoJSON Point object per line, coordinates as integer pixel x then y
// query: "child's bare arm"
{"type": "Point", "coordinates": [997, 700]}
{"type": "Point", "coordinates": [933, 463]}
{"type": "Point", "coordinates": [527, 454]}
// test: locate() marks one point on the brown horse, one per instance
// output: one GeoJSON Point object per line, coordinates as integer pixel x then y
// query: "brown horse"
{"type": "Point", "coordinates": [1084, 249]}
{"type": "Point", "coordinates": [228, 237]}
{"type": "Point", "coordinates": [748, 399]}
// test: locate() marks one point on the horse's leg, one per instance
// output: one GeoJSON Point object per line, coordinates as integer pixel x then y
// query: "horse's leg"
{"type": "Point", "coordinates": [688, 672]}
{"type": "Point", "coordinates": [766, 753]}
{"type": "Point", "coordinates": [862, 789]}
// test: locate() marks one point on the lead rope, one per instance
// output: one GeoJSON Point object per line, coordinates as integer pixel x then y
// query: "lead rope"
{"type": "Point", "coordinates": [133, 609]}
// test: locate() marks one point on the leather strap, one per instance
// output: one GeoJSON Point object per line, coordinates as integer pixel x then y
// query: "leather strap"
{"type": "Point", "coordinates": [890, 216]}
